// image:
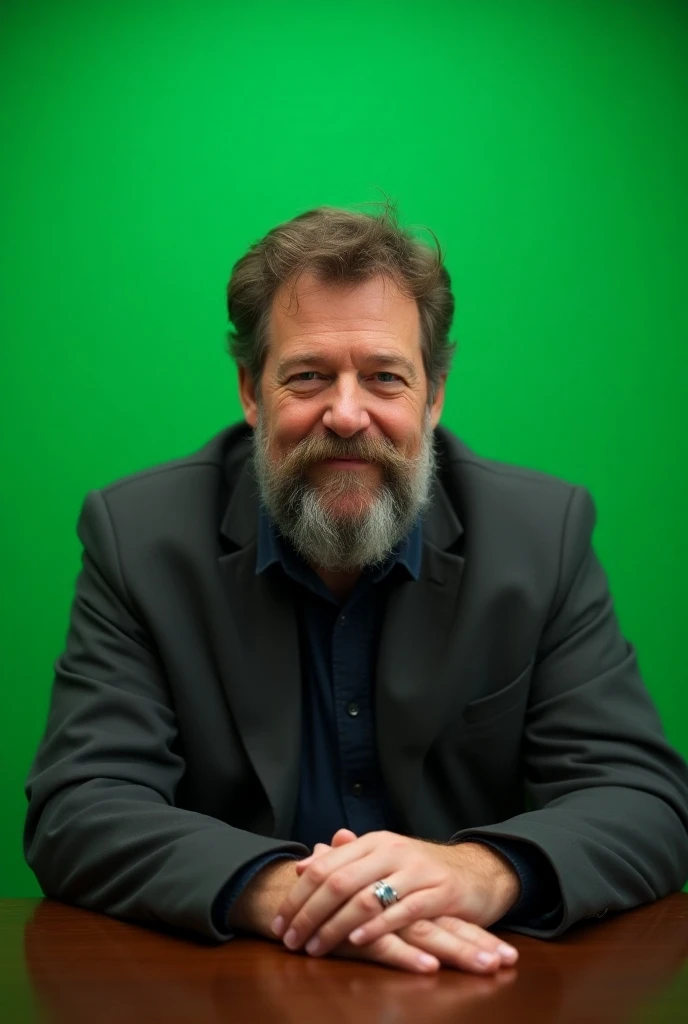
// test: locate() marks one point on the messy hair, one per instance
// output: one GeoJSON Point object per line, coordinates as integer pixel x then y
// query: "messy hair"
{"type": "Point", "coordinates": [337, 245]}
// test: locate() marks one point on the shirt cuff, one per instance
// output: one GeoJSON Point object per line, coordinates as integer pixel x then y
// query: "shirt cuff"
{"type": "Point", "coordinates": [231, 890]}
{"type": "Point", "coordinates": [540, 902]}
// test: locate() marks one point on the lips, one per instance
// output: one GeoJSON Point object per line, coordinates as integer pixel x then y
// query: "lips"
{"type": "Point", "coordinates": [346, 458]}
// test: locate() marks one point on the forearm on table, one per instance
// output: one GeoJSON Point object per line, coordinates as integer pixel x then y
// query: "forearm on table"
{"type": "Point", "coordinates": [256, 906]}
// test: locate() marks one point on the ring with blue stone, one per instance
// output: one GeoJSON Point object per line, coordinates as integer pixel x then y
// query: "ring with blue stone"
{"type": "Point", "coordinates": [386, 894]}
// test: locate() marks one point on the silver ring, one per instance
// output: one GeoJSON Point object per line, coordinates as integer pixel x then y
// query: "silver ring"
{"type": "Point", "coordinates": [386, 894]}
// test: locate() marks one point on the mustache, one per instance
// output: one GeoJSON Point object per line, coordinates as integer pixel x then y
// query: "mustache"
{"type": "Point", "coordinates": [371, 449]}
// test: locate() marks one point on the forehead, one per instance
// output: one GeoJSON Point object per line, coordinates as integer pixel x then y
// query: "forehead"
{"type": "Point", "coordinates": [372, 310]}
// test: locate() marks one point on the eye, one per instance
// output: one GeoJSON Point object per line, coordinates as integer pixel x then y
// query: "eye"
{"type": "Point", "coordinates": [305, 375]}
{"type": "Point", "coordinates": [383, 373]}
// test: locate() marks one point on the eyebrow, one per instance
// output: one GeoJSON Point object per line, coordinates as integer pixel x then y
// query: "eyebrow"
{"type": "Point", "coordinates": [381, 359]}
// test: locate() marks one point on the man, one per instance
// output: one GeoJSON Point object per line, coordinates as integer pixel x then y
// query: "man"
{"type": "Point", "coordinates": [337, 680]}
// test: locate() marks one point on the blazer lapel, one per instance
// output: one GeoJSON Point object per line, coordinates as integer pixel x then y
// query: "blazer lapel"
{"type": "Point", "coordinates": [418, 650]}
{"type": "Point", "coordinates": [261, 663]}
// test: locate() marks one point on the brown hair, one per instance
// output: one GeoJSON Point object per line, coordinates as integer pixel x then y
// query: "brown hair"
{"type": "Point", "coordinates": [338, 245]}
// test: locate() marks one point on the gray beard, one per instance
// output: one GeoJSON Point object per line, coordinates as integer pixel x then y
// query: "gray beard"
{"type": "Point", "coordinates": [345, 543]}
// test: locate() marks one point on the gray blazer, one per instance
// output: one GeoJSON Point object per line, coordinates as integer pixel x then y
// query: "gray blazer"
{"type": "Point", "coordinates": [507, 701]}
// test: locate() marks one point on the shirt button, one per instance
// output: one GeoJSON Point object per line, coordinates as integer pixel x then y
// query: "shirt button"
{"type": "Point", "coordinates": [357, 789]}
{"type": "Point", "coordinates": [342, 620]}
{"type": "Point", "coordinates": [353, 709]}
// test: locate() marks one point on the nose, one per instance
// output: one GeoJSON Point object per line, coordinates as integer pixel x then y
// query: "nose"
{"type": "Point", "coordinates": [346, 413]}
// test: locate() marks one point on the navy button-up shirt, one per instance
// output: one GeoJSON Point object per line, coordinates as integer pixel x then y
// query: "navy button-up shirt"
{"type": "Point", "coordinates": [340, 783]}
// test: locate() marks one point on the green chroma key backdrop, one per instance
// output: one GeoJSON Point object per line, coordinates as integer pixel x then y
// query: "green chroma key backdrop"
{"type": "Point", "coordinates": [146, 145]}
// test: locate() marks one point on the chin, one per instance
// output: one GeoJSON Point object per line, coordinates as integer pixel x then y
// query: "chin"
{"type": "Point", "coordinates": [347, 506]}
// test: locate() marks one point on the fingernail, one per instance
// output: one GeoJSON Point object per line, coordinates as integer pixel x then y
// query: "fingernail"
{"type": "Point", "coordinates": [290, 938]}
{"type": "Point", "coordinates": [356, 936]}
{"type": "Point", "coordinates": [507, 951]}
{"type": "Point", "coordinates": [425, 960]}
{"type": "Point", "coordinates": [313, 946]}
{"type": "Point", "coordinates": [486, 958]}
{"type": "Point", "coordinates": [278, 925]}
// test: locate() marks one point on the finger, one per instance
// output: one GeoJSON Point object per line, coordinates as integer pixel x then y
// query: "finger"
{"type": "Point", "coordinates": [340, 838]}
{"type": "Point", "coordinates": [332, 892]}
{"type": "Point", "coordinates": [481, 938]}
{"type": "Point", "coordinates": [421, 903]}
{"type": "Point", "coordinates": [318, 850]}
{"type": "Point", "coordinates": [392, 951]}
{"type": "Point", "coordinates": [449, 948]}
{"type": "Point", "coordinates": [365, 918]}
{"type": "Point", "coordinates": [344, 853]}
{"type": "Point", "coordinates": [454, 948]}
{"type": "Point", "coordinates": [278, 925]}
{"type": "Point", "coordinates": [320, 871]}
{"type": "Point", "coordinates": [343, 836]}
{"type": "Point", "coordinates": [394, 919]}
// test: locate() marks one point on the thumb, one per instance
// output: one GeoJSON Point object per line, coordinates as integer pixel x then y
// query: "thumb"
{"type": "Point", "coordinates": [318, 850]}
{"type": "Point", "coordinates": [340, 838]}
{"type": "Point", "coordinates": [343, 836]}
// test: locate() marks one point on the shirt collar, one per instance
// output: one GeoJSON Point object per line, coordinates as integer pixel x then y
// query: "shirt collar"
{"type": "Point", "coordinates": [272, 547]}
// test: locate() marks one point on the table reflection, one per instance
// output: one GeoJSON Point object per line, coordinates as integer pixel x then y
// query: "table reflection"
{"type": "Point", "coordinates": [88, 968]}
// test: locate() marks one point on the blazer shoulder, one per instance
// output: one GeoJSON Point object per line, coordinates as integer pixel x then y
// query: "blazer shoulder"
{"type": "Point", "coordinates": [224, 455]}
{"type": "Point", "coordinates": [492, 497]}
{"type": "Point", "coordinates": [179, 502]}
{"type": "Point", "coordinates": [460, 461]}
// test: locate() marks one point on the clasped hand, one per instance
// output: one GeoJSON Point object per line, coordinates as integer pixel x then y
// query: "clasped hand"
{"type": "Point", "coordinates": [447, 896]}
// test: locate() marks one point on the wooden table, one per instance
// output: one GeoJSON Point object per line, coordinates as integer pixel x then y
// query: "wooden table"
{"type": "Point", "coordinates": [71, 966]}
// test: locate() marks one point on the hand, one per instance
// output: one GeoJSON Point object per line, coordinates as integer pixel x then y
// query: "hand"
{"type": "Point", "coordinates": [424, 944]}
{"type": "Point", "coordinates": [333, 897]}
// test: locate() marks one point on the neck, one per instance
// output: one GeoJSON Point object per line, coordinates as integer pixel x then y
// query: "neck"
{"type": "Point", "coordinates": [338, 582]}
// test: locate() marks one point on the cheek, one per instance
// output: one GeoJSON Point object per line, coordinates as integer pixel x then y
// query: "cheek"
{"type": "Point", "coordinates": [292, 421]}
{"type": "Point", "coordinates": [401, 426]}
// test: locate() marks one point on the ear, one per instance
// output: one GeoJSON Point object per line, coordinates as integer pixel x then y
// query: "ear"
{"type": "Point", "coordinates": [438, 403]}
{"type": "Point", "coordinates": [247, 396]}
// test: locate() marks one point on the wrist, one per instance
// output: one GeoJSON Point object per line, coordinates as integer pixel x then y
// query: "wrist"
{"type": "Point", "coordinates": [256, 906]}
{"type": "Point", "coordinates": [501, 885]}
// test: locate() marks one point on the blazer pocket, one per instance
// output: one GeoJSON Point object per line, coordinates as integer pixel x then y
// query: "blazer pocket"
{"type": "Point", "coordinates": [509, 697]}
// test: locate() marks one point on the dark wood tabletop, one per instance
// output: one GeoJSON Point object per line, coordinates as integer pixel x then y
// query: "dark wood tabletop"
{"type": "Point", "coordinates": [70, 966]}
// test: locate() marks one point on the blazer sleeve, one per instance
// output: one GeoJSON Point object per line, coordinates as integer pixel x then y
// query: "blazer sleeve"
{"type": "Point", "coordinates": [102, 830]}
{"type": "Point", "coordinates": [607, 794]}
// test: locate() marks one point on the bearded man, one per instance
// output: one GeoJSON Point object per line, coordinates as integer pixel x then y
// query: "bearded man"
{"type": "Point", "coordinates": [337, 680]}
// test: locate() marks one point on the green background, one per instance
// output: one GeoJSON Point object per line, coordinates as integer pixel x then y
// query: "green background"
{"type": "Point", "coordinates": [146, 145]}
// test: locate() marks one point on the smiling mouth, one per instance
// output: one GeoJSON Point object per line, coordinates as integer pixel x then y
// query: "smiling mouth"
{"type": "Point", "coordinates": [346, 458]}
